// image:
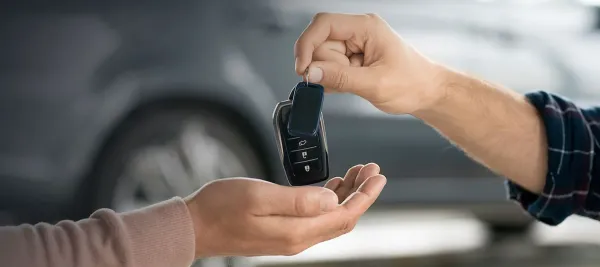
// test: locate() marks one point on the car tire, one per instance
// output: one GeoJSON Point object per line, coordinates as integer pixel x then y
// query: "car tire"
{"type": "Point", "coordinates": [165, 135]}
{"type": "Point", "coordinates": [503, 221]}
{"type": "Point", "coordinates": [505, 230]}
{"type": "Point", "coordinates": [500, 232]}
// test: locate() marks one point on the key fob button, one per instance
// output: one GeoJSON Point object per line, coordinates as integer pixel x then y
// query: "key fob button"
{"type": "Point", "coordinates": [306, 154]}
{"type": "Point", "coordinates": [295, 143]}
{"type": "Point", "coordinates": [307, 168]}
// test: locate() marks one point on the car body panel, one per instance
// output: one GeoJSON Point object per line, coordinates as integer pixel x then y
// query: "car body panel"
{"type": "Point", "coordinates": [75, 70]}
{"type": "Point", "coordinates": [73, 75]}
{"type": "Point", "coordinates": [421, 166]}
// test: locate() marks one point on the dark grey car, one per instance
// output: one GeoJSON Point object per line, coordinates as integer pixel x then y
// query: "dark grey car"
{"type": "Point", "coordinates": [123, 103]}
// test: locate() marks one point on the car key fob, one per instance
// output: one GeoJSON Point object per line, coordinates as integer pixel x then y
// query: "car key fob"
{"type": "Point", "coordinates": [307, 101]}
{"type": "Point", "coordinates": [303, 154]}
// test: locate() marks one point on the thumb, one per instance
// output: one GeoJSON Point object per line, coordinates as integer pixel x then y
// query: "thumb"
{"type": "Point", "coordinates": [306, 201]}
{"type": "Point", "coordinates": [342, 78]}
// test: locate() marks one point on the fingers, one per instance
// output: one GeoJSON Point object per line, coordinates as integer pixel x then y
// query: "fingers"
{"type": "Point", "coordinates": [355, 174]}
{"type": "Point", "coordinates": [334, 183]}
{"type": "Point", "coordinates": [345, 186]}
{"type": "Point", "coordinates": [344, 219]}
{"type": "Point", "coordinates": [308, 201]}
{"type": "Point", "coordinates": [308, 231]}
{"type": "Point", "coordinates": [357, 60]}
{"type": "Point", "coordinates": [366, 195]}
{"type": "Point", "coordinates": [333, 51]}
{"type": "Point", "coordinates": [352, 173]}
{"type": "Point", "coordinates": [325, 26]}
{"type": "Point", "coordinates": [343, 77]}
{"type": "Point", "coordinates": [305, 201]}
{"type": "Point", "coordinates": [369, 170]}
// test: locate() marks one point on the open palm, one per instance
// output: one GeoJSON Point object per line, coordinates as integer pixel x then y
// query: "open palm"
{"type": "Point", "coordinates": [354, 178]}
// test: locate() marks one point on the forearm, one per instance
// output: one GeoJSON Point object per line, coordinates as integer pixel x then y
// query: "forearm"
{"type": "Point", "coordinates": [544, 143]}
{"type": "Point", "coordinates": [495, 126]}
{"type": "Point", "coordinates": [159, 235]}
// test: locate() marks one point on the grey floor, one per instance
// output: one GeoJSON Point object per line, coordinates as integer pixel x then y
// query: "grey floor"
{"type": "Point", "coordinates": [396, 238]}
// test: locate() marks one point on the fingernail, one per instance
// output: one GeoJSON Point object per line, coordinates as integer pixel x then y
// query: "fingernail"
{"type": "Point", "coordinates": [329, 200]}
{"type": "Point", "coordinates": [296, 64]}
{"type": "Point", "coordinates": [315, 75]}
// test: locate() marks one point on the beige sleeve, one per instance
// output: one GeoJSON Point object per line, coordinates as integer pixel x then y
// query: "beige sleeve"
{"type": "Point", "coordinates": [159, 235]}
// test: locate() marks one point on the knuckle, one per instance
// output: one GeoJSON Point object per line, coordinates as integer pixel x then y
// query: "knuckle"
{"type": "Point", "coordinates": [373, 16]}
{"type": "Point", "coordinates": [381, 82]}
{"type": "Point", "coordinates": [340, 79]}
{"type": "Point", "coordinates": [373, 20]}
{"type": "Point", "coordinates": [320, 53]}
{"type": "Point", "coordinates": [320, 16]}
{"type": "Point", "coordinates": [298, 45]}
{"type": "Point", "coordinates": [301, 204]}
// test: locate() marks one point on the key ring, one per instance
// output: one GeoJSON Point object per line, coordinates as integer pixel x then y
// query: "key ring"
{"type": "Point", "coordinates": [306, 76]}
{"type": "Point", "coordinates": [293, 92]}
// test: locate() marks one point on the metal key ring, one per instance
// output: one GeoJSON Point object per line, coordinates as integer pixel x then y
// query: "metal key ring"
{"type": "Point", "coordinates": [306, 76]}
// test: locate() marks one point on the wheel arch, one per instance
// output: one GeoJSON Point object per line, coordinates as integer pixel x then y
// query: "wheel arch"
{"type": "Point", "coordinates": [243, 122]}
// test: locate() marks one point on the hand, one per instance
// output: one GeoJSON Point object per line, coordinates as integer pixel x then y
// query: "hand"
{"type": "Point", "coordinates": [354, 178]}
{"type": "Point", "coordinates": [362, 55]}
{"type": "Point", "coordinates": [250, 217]}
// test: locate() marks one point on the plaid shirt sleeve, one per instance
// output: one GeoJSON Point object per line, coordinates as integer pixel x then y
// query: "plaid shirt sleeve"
{"type": "Point", "coordinates": [573, 178]}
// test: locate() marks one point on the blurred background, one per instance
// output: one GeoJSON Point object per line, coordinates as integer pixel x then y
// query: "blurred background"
{"type": "Point", "coordinates": [120, 104]}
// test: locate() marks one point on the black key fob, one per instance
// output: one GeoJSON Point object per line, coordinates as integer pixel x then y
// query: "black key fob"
{"type": "Point", "coordinates": [307, 101]}
{"type": "Point", "coordinates": [300, 136]}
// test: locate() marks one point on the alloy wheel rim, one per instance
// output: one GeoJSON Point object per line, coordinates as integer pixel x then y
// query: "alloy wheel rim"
{"type": "Point", "coordinates": [179, 168]}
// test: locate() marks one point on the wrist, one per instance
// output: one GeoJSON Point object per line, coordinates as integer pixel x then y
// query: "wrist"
{"type": "Point", "coordinates": [167, 223]}
{"type": "Point", "coordinates": [194, 213]}
{"type": "Point", "coordinates": [440, 94]}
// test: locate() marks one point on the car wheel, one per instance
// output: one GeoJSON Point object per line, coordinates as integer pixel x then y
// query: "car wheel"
{"type": "Point", "coordinates": [172, 153]}
{"type": "Point", "coordinates": [507, 230]}
{"type": "Point", "coordinates": [504, 221]}
{"type": "Point", "coordinates": [500, 232]}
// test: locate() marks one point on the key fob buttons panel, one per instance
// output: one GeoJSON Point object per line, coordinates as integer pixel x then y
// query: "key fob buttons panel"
{"type": "Point", "coordinates": [305, 159]}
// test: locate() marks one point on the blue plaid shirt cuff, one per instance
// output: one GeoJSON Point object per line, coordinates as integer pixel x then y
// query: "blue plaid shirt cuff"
{"type": "Point", "coordinates": [570, 185]}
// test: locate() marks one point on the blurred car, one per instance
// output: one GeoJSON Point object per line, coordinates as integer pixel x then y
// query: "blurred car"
{"type": "Point", "coordinates": [597, 24]}
{"type": "Point", "coordinates": [595, 6]}
{"type": "Point", "coordinates": [121, 104]}
{"type": "Point", "coordinates": [497, 41]}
